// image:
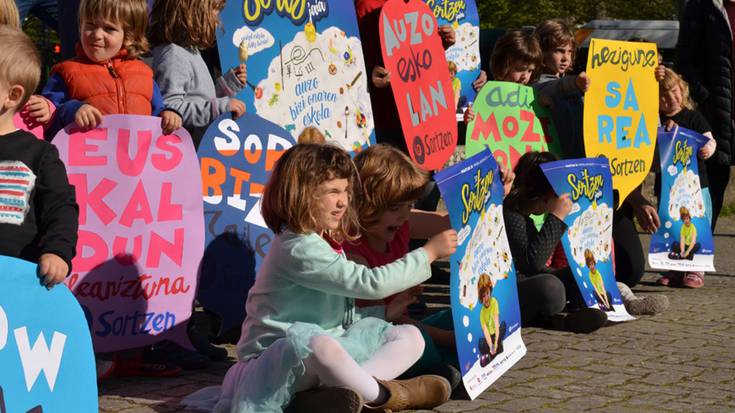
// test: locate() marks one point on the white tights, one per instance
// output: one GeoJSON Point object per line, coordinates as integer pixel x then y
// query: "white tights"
{"type": "Point", "coordinates": [330, 365]}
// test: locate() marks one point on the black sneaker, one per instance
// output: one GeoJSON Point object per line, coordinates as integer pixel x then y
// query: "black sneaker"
{"type": "Point", "coordinates": [447, 371]}
{"type": "Point", "coordinates": [585, 320]}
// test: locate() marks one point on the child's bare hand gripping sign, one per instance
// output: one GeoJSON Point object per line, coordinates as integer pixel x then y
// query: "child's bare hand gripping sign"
{"type": "Point", "coordinates": [441, 245]}
{"type": "Point", "coordinates": [52, 269]}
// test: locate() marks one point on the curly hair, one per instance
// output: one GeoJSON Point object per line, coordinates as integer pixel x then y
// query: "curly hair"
{"type": "Point", "coordinates": [671, 80]}
{"type": "Point", "coordinates": [289, 199]}
{"type": "Point", "coordinates": [187, 23]}
{"type": "Point", "coordinates": [132, 15]}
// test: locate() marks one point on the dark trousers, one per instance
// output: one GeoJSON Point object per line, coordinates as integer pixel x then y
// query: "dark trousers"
{"type": "Point", "coordinates": [629, 260]}
{"type": "Point", "coordinates": [719, 176]}
{"type": "Point", "coordinates": [484, 347]}
{"type": "Point", "coordinates": [542, 295]}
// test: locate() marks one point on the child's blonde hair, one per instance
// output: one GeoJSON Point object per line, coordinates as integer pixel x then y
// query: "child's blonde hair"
{"type": "Point", "coordinates": [513, 48]}
{"type": "Point", "coordinates": [132, 15]}
{"type": "Point", "coordinates": [20, 63]}
{"type": "Point", "coordinates": [684, 212]}
{"type": "Point", "coordinates": [311, 134]}
{"type": "Point", "coordinates": [9, 15]}
{"type": "Point", "coordinates": [484, 285]}
{"type": "Point", "coordinates": [388, 177]}
{"type": "Point", "coordinates": [589, 257]}
{"type": "Point", "coordinates": [554, 33]}
{"type": "Point", "coordinates": [671, 80]}
{"type": "Point", "coordinates": [452, 67]}
{"type": "Point", "coordinates": [187, 23]}
{"type": "Point", "coordinates": [289, 199]}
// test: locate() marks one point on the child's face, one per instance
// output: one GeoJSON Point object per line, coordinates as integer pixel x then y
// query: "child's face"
{"type": "Point", "coordinates": [520, 74]}
{"type": "Point", "coordinates": [687, 219]}
{"type": "Point", "coordinates": [671, 101]}
{"type": "Point", "coordinates": [559, 60]}
{"type": "Point", "coordinates": [101, 39]}
{"type": "Point", "coordinates": [332, 201]}
{"type": "Point", "coordinates": [389, 222]}
{"type": "Point", "coordinates": [485, 299]}
{"type": "Point", "coordinates": [591, 265]}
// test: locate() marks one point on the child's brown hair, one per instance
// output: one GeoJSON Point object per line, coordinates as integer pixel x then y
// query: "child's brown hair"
{"type": "Point", "coordinates": [589, 257]}
{"type": "Point", "coordinates": [289, 199]}
{"type": "Point", "coordinates": [671, 80]}
{"type": "Point", "coordinates": [530, 184]}
{"type": "Point", "coordinates": [132, 15]}
{"type": "Point", "coordinates": [187, 23]}
{"type": "Point", "coordinates": [484, 286]}
{"type": "Point", "coordinates": [20, 63]}
{"type": "Point", "coordinates": [554, 33]}
{"type": "Point", "coordinates": [512, 49]}
{"type": "Point", "coordinates": [311, 134]}
{"type": "Point", "coordinates": [9, 15]}
{"type": "Point", "coordinates": [684, 212]}
{"type": "Point", "coordinates": [388, 177]}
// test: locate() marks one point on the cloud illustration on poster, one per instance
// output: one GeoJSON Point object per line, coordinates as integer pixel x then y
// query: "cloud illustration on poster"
{"type": "Point", "coordinates": [255, 41]}
{"type": "Point", "coordinates": [584, 234]}
{"type": "Point", "coordinates": [462, 53]}
{"type": "Point", "coordinates": [685, 192]}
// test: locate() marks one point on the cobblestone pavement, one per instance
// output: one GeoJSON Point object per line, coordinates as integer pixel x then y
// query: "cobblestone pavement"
{"type": "Point", "coordinates": [682, 360]}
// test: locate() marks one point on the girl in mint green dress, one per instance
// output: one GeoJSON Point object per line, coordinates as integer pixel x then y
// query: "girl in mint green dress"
{"type": "Point", "coordinates": [302, 330]}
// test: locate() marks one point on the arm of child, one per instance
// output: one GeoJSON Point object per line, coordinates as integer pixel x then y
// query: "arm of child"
{"type": "Point", "coordinates": [645, 213]}
{"type": "Point", "coordinates": [496, 333]}
{"type": "Point", "coordinates": [57, 213]}
{"type": "Point", "coordinates": [170, 119]}
{"type": "Point", "coordinates": [531, 249]}
{"type": "Point", "coordinates": [693, 243]}
{"type": "Point", "coordinates": [321, 268]}
{"type": "Point", "coordinates": [480, 81]}
{"type": "Point", "coordinates": [40, 110]}
{"type": "Point", "coordinates": [232, 81]}
{"type": "Point", "coordinates": [173, 74]}
{"type": "Point", "coordinates": [426, 224]}
{"type": "Point", "coordinates": [708, 149]}
{"type": "Point", "coordinates": [66, 108]}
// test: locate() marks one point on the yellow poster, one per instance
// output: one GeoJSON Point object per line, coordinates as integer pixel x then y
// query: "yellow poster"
{"type": "Point", "coordinates": [621, 109]}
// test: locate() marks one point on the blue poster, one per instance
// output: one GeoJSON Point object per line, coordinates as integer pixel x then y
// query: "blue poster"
{"type": "Point", "coordinates": [684, 240]}
{"type": "Point", "coordinates": [483, 291]}
{"type": "Point", "coordinates": [46, 358]}
{"type": "Point", "coordinates": [237, 158]}
{"type": "Point", "coordinates": [464, 56]}
{"type": "Point", "coordinates": [305, 66]}
{"type": "Point", "coordinates": [588, 241]}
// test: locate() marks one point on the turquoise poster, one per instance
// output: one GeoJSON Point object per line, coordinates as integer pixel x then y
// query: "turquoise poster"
{"type": "Point", "coordinates": [588, 241]}
{"type": "Point", "coordinates": [305, 66]}
{"type": "Point", "coordinates": [684, 241]}
{"type": "Point", "coordinates": [483, 292]}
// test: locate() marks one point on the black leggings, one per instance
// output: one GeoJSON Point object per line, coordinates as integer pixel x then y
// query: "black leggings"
{"type": "Point", "coordinates": [629, 260]}
{"type": "Point", "coordinates": [542, 295]}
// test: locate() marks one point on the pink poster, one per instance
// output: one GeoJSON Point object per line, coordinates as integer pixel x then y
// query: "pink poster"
{"type": "Point", "coordinates": [141, 229]}
{"type": "Point", "coordinates": [25, 123]}
{"type": "Point", "coordinates": [419, 77]}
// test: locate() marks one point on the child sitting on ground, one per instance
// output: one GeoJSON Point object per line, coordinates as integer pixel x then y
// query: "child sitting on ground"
{"type": "Point", "coordinates": [107, 77]}
{"type": "Point", "coordinates": [301, 330]}
{"type": "Point", "coordinates": [40, 215]}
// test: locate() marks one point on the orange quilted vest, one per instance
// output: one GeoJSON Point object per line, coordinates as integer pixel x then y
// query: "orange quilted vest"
{"type": "Point", "coordinates": [119, 86]}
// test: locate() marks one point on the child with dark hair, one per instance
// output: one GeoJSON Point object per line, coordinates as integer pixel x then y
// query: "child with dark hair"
{"type": "Point", "coordinates": [516, 57]}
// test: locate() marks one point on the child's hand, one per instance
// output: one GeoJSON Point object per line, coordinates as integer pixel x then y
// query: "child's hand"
{"type": "Point", "coordinates": [237, 107]}
{"type": "Point", "coordinates": [395, 310]}
{"type": "Point", "coordinates": [381, 77]}
{"type": "Point", "coordinates": [480, 81]}
{"type": "Point", "coordinates": [53, 269]}
{"type": "Point", "coordinates": [88, 117]}
{"type": "Point", "coordinates": [560, 206]}
{"type": "Point", "coordinates": [647, 217]}
{"type": "Point", "coordinates": [507, 176]}
{"type": "Point", "coordinates": [660, 72]}
{"type": "Point", "coordinates": [170, 121]}
{"type": "Point", "coordinates": [441, 245]}
{"type": "Point", "coordinates": [446, 32]}
{"type": "Point", "coordinates": [583, 82]}
{"type": "Point", "coordinates": [241, 72]}
{"type": "Point", "coordinates": [469, 114]}
{"type": "Point", "coordinates": [708, 149]}
{"type": "Point", "coordinates": [38, 109]}
{"type": "Point", "coordinates": [669, 124]}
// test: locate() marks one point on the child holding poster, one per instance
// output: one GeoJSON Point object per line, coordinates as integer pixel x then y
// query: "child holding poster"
{"type": "Point", "coordinates": [40, 215]}
{"type": "Point", "coordinates": [301, 330]}
{"type": "Point", "coordinates": [558, 47]}
{"type": "Point", "coordinates": [677, 108]}
{"type": "Point", "coordinates": [179, 30]}
{"type": "Point", "coordinates": [107, 77]}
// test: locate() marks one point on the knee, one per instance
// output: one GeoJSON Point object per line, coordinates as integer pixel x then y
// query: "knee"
{"type": "Point", "coordinates": [325, 349]}
{"type": "Point", "coordinates": [413, 336]}
{"type": "Point", "coordinates": [555, 296]}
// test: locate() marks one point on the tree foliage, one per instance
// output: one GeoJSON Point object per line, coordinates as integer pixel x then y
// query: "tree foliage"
{"type": "Point", "coordinates": [519, 13]}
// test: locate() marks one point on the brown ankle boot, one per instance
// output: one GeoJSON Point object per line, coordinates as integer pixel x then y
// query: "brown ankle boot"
{"type": "Point", "coordinates": [422, 392]}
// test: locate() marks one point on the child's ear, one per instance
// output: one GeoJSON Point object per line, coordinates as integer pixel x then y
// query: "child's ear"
{"type": "Point", "coordinates": [15, 96]}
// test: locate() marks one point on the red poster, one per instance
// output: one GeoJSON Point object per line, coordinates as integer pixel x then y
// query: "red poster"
{"type": "Point", "coordinates": [414, 56]}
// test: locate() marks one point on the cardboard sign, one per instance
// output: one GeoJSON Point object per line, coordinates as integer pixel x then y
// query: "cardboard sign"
{"type": "Point", "coordinates": [237, 158]}
{"type": "Point", "coordinates": [141, 229]}
{"type": "Point", "coordinates": [45, 349]}
{"type": "Point", "coordinates": [588, 241]}
{"type": "Point", "coordinates": [684, 241]}
{"type": "Point", "coordinates": [484, 296]}
{"type": "Point", "coordinates": [305, 66]}
{"type": "Point", "coordinates": [506, 121]}
{"type": "Point", "coordinates": [465, 53]}
{"type": "Point", "coordinates": [413, 54]}
{"type": "Point", "coordinates": [621, 109]}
